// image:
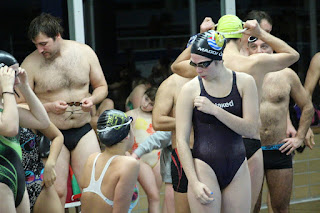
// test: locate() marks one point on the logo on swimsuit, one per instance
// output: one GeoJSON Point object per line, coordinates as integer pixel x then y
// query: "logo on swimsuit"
{"type": "Point", "coordinates": [225, 105]}
{"type": "Point", "coordinates": [212, 52]}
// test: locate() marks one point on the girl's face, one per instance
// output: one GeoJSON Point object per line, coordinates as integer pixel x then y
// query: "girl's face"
{"type": "Point", "coordinates": [205, 67]}
{"type": "Point", "coordinates": [146, 104]}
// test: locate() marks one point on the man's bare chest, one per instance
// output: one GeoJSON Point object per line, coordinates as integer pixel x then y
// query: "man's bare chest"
{"type": "Point", "coordinates": [62, 74]}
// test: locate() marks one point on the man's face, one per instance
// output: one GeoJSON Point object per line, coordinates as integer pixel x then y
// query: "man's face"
{"type": "Point", "coordinates": [259, 46]}
{"type": "Point", "coordinates": [46, 46]}
{"type": "Point", "coordinates": [265, 25]}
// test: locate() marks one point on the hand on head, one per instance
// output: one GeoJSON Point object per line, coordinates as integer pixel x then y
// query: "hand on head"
{"type": "Point", "coordinates": [21, 77]}
{"type": "Point", "coordinates": [7, 79]}
{"type": "Point", "coordinates": [253, 28]}
{"type": "Point", "coordinates": [206, 25]}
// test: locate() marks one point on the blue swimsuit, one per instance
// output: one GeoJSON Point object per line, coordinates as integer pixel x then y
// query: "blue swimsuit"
{"type": "Point", "coordinates": [215, 143]}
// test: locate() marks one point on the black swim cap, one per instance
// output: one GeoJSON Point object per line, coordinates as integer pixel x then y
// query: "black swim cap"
{"type": "Point", "coordinates": [209, 44]}
{"type": "Point", "coordinates": [6, 59]}
{"type": "Point", "coordinates": [113, 126]}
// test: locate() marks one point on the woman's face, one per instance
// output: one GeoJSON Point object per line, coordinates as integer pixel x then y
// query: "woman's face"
{"type": "Point", "coordinates": [146, 104]}
{"type": "Point", "coordinates": [204, 66]}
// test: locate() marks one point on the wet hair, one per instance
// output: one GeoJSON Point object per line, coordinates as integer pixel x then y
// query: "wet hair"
{"type": "Point", "coordinates": [46, 24]}
{"type": "Point", "coordinates": [259, 15]}
{"type": "Point", "coordinates": [151, 93]}
{"type": "Point", "coordinates": [6, 59]}
{"type": "Point", "coordinates": [113, 126]}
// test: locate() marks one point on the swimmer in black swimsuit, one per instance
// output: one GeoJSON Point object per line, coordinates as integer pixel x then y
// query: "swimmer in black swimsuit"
{"type": "Point", "coordinates": [223, 106]}
{"type": "Point", "coordinates": [14, 196]}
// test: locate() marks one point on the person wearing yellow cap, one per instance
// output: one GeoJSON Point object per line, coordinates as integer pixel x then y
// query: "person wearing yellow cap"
{"type": "Point", "coordinates": [257, 65]}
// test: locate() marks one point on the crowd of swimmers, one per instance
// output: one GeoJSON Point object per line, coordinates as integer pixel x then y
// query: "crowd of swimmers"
{"type": "Point", "coordinates": [211, 131]}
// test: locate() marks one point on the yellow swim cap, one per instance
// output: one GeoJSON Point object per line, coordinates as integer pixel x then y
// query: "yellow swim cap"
{"type": "Point", "coordinates": [229, 25]}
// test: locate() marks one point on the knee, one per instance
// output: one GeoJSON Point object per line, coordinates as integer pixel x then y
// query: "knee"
{"type": "Point", "coordinates": [61, 190]}
{"type": "Point", "coordinates": [153, 196]}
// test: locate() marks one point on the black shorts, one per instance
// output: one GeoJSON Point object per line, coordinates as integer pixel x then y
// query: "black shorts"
{"type": "Point", "coordinates": [274, 159]}
{"type": "Point", "coordinates": [73, 136]}
{"type": "Point", "coordinates": [251, 145]}
{"type": "Point", "coordinates": [179, 178]}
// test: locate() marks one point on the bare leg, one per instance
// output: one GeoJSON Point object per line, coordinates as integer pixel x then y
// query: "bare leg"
{"type": "Point", "coordinates": [87, 145]}
{"type": "Point", "coordinates": [48, 201]}
{"type": "Point", "coordinates": [269, 203]}
{"type": "Point", "coordinates": [7, 199]}
{"type": "Point", "coordinates": [148, 182]}
{"type": "Point", "coordinates": [168, 204]}
{"type": "Point", "coordinates": [280, 188]}
{"type": "Point", "coordinates": [24, 206]}
{"type": "Point", "coordinates": [181, 203]}
{"type": "Point", "coordinates": [255, 164]}
{"type": "Point", "coordinates": [62, 171]}
{"type": "Point", "coordinates": [236, 197]}
{"type": "Point", "coordinates": [207, 176]}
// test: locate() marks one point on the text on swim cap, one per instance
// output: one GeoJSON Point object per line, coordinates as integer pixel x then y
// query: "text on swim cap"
{"type": "Point", "coordinates": [212, 52]}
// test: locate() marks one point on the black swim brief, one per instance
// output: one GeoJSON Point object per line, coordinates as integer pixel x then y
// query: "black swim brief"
{"type": "Point", "coordinates": [274, 159]}
{"type": "Point", "coordinates": [73, 136]}
{"type": "Point", "coordinates": [179, 178]}
{"type": "Point", "coordinates": [251, 145]}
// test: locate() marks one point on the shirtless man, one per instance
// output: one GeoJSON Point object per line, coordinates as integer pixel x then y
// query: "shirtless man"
{"type": "Point", "coordinates": [257, 65]}
{"type": "Point", "coordinates": [60, 72]}
{"type": "Point", "coordinates": [277, 89]}
{"type": "Point", "coordinates": [163, 119]}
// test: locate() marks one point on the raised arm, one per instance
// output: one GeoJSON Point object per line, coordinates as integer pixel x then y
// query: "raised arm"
{"type": "Point", "coordinates": [164, 101]}
{"type": "Point", "coordinates": [313, 75]}
{"type": "Point", "coordinates": [284, 57]}
{"type": "Point", "coordinates": [9, 118]}
{"type": "Point", "coordinates": [36, 117]}
{"type": "Point", "coordinates": [181, 65]}
{"type": "Point", "coordinates": [54, 134]}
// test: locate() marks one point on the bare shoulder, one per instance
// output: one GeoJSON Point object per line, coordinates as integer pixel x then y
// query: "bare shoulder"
{"type": "Point", "coordinates": [132, 112]}
{"type": "Point", "coordinates": [77, 46]}
{"type": "Point", "coordinates": [127, 163]}
{"type": "Point", "coordinates": [244, 77]}
{"type": "Point", "coordinates": [32, 61]}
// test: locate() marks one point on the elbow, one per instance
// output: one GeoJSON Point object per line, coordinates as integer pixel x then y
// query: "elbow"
{"type": "Point", "coordinates": [156, 125]}
{"type": "Point", "coordinates": [174, 68]}
{"type": "Point", "coordinates": [12, 131]}
{"type": "Point", "coordinates": [295, 57]}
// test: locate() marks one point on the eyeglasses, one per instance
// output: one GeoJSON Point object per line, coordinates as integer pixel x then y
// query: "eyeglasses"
{"type": "Point", "coordinates": [74, 103]}
{"type": "Point", "coordinates": [30, 176]}
{"type": "Point", "coordinates": [29, 144]}
{"type": "Point", "coordinates": [203, 64]}
{"type": "Point", "coordinates": [116, 126]}
{"type": "Point", "coordinates": [252, 39]}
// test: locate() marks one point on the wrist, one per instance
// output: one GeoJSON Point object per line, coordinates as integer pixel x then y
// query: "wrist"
{"type": "Point", "coordinates": [7, 92]}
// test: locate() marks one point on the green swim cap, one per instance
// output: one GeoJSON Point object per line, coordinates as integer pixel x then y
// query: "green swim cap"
{"type": "Point", "coordinates": [229, 25]}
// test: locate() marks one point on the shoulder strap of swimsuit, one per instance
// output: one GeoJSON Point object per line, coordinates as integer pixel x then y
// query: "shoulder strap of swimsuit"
{"type": "Point", "coordinates": [94, 169]}
{"type": "Point", "coordinates": [106, 168]}
{"type": "Point", "coordinates": [234, 82]}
